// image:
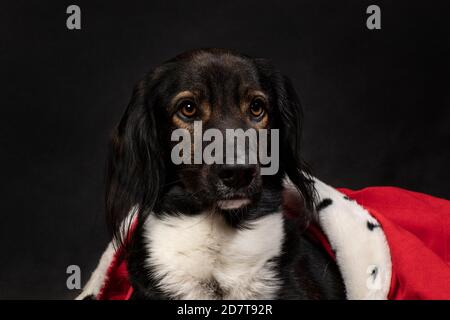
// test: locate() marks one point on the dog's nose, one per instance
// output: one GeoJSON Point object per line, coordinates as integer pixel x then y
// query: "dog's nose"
{"type": "Point", "coordinates": [237, 176]}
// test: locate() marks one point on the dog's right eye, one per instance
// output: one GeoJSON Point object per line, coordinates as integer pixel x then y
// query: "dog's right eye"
{"type": "Point", "coordinates": [187, 108]}
{"type": "Point", "coordinates": [257, 109]}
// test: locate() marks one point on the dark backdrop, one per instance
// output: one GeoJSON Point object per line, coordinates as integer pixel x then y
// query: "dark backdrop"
{"type": "Point", "coordinates": [377, 105]}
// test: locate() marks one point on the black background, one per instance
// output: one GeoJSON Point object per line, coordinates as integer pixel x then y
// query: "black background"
{"type": "Point", "coordinates": [377, 105]}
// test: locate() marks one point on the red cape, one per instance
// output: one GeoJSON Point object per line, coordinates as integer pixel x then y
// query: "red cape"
{"type": "Point", "coordinates": [417, 230]}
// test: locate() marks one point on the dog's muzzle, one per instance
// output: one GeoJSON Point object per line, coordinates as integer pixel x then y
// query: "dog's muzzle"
{"type": "Point", "coordinates": [233, 185]}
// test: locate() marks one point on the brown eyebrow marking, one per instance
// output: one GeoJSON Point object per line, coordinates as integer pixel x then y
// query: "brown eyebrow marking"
{"type": "Point", "coordinates": [259, 93]}
{"type": "Point", "coordinates": [182, 95]}
{"type": "Point", "coordinates": [249, 96]}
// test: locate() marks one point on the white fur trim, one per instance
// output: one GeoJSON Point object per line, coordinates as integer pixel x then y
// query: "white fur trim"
{"type": "Point", "coordinates": [98, 277]}
{"type": "Point", "coordinates": [362, 255]}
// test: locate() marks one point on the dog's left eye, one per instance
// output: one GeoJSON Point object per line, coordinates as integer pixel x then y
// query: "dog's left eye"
{"type": "Point", "coordinates": [187, 108]}
{"type": "Point", "coordinates": [257, 107]}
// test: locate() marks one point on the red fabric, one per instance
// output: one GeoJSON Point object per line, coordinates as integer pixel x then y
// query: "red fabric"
{"type": "Point", "coordinates": [117, 286]}
{"type": "Point", "coordinates": [417, 228]}
{"type": "Point", "coordinates": [315, 233]}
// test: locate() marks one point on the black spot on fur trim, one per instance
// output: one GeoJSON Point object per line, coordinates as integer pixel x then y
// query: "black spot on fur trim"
{"type": "Point", "coordinates": [324, 203]}
{"type": "Point", "coordinates": [90, 297]}
{"type": "Point", "coordinates": [372, 226]}
{"type": "Point", "coordinates": [348, 199]}
{"type": "Point", "coordinates": [374, 272]}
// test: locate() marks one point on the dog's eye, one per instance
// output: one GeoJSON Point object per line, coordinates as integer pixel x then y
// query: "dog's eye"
{"type": "Point", "coordinates": [188, 108]}
{"type": "Point", "coordinates": [257, 107]}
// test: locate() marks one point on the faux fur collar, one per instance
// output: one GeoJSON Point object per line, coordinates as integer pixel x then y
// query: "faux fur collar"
{"type": "Point", "coordinates": [357, 239]}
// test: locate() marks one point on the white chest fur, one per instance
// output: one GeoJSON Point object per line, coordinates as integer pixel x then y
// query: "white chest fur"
{"type": "Point", "coordinates": [201, 257]}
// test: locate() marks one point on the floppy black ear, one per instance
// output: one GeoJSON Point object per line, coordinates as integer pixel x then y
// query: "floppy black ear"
{"type": "Point", "coordinates": [134, 167]}
{"type": "Point", "coordinates": [291, 116]}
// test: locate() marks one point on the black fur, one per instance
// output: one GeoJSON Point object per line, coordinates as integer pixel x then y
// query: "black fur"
{"type": "Point", "coordinates": [140, 172]}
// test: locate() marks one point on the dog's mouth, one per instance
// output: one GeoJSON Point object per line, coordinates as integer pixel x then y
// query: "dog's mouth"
{"type": "Point", "coordinates": [238, 199]}
{"type": "Point", "coordinates": [232, 204]}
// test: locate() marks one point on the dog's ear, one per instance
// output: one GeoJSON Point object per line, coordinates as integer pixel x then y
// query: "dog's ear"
{"type": "Point", "coordinates": [134, 166]}
{"type": "Point", "coordinates": [291, 117]}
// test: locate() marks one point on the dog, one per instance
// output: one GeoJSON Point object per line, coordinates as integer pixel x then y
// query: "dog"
{"type": "Point", "coordinates": [214, 231]}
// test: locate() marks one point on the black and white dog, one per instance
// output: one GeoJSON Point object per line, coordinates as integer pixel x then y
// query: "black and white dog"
{"type": "Point", "coordinates": [214, 231]}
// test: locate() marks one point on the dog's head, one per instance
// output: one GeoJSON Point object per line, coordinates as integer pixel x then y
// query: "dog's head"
{"type": "Point", "coordinates": [214, 91]}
